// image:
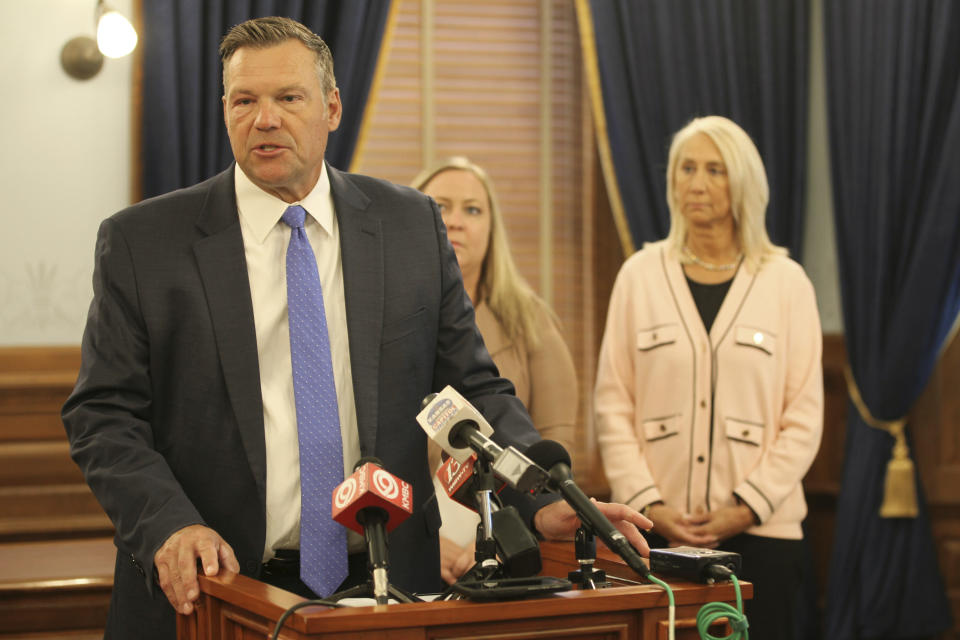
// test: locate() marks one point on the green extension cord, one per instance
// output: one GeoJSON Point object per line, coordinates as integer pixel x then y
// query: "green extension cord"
{"type": "Point", "coordinates": [713, 611]}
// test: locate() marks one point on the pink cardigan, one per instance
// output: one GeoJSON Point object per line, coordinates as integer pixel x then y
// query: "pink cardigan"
{"type": "Point", "coordinates": [760, 365]}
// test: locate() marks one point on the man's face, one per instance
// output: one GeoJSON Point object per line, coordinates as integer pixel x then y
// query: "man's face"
{"type": "Point", "coordinates": [277, 117]}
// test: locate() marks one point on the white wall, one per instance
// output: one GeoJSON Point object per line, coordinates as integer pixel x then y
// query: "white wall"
{"type": "Point", "coordinates": [65, 167]}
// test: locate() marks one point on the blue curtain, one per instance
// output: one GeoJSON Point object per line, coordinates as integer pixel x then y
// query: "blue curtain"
{"type": "Point", "coordinates": [663, 62]}
{"type": "Point", "coordinates": [894, 115]}
{"type": "Point", "coordinates": [184, 139]}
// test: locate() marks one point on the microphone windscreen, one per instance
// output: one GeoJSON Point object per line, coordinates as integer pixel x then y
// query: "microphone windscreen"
{"type": "Point", "coordinates": [443, 412]}
{"type": "Point", "coordinates": [426, 401]}
{"type": "Point", "coordinates": [365, 459]}
{"type": "Point", "coordinates": [371, 486]}
{"type": "Point", "coordinates": [548, 453]}
{"type": "Point", "coordinates": [457, 480]}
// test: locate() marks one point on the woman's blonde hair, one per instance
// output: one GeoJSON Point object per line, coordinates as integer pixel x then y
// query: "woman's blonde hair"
{"type": "Point", "coordinates": [501, 286]}
{"type": "Point", "coordinates": [747, 181]}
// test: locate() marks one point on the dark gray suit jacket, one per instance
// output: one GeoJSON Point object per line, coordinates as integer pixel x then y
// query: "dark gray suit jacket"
{"type": "Point", "coordinates": [166, 419]}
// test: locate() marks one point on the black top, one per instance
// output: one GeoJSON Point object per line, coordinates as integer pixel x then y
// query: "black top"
{"type": "Point", "coordinates": [708, 298]}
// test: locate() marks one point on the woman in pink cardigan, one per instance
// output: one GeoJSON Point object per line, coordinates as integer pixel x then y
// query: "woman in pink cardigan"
{"type": "Point", "coordinates": [709, 394]}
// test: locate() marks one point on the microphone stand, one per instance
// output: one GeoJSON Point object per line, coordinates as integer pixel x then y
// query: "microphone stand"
{"type": "Point", "coordinates": [377, 586]}
{"type": "Point", "coordinates": [368, 590]}
{"type": "Point", "coordinates": [586, 549]}
{"type": "Point", "coordinates": [487, 566]}
{"type": "Point", "coordinates": [488, 578]}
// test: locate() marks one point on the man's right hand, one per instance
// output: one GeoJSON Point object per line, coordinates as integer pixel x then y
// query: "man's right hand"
{"type": "Point", "coordinates": [176, 563]}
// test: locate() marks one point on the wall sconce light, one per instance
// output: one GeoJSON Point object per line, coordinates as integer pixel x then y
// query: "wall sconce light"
{"type": "Point", "coordinates": [82, 57]}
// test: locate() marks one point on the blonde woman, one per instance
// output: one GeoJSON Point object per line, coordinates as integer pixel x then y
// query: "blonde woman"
{"type": "Point", "coordinates": [709, 393]}
{"type": "Point", "coordinates": [519, 329]}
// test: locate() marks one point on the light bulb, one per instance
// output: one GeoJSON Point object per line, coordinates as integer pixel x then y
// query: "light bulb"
{"type": "Point", "coordinates": [116, 37]}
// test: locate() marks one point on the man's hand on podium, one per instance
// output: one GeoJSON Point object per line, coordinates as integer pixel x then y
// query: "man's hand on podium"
{"type": "Point", "coordinates": [176, 563]}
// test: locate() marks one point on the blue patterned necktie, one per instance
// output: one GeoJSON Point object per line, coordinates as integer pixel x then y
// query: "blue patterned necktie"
{"type": "Point", "coordinates": [323, 542]}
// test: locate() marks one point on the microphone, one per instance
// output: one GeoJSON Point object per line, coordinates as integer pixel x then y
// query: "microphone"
{"type": "Point", "coordinates": [441, 412]}
{"type": "Point", "coordinates": [459, 481]}
{"type": "Point", "coordinates": [516, 545]}
{"type": "Point", "coordinates": [457, 427]}
{"type": "Point", "coordinates": [551, 455]}
{"type": "Point", "coordinates": [372, 502]}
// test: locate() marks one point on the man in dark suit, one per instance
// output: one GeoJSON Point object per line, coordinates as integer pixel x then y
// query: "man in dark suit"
{"type": "Point", "coordinates": [182, 415]}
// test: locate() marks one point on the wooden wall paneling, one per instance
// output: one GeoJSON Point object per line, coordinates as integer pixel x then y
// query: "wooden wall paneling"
{"type": "Point", "coordinates": [825, 474]}
{"type": "Point", "coordinates": [822, 482]}
{"type": "Point", "coordinates": [570, 130]}
{"type": "Point", "coordinates": [56, 581]}
{"type": "Point", "coordinates": [607, 258]}
{"type": "Point", "coordinates": [394, 128]}
{"type": "Point", "coordinates": [934, 431]}
{"type": "Point", "coordinates": [55, 590]}
{"type": "Point", "coordinates": [42, 493]}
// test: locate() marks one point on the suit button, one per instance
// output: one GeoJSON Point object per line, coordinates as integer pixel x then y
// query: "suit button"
{"type": "Point", "coordinates": [700, 458]}
{"type": "Point", "coordinates": [703, 404]}
{"type": "Point", "coordinates": [663, 428]}
{"type": "Point", "coordinates": [745, 433]}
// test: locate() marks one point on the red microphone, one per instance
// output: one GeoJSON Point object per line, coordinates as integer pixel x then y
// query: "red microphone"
{"type": "Point", "coordinates": [457, 480]}
{"type": "Point", "coordinates": [373, 501]}
{"type": "Point", "coordinates": [515, 544]}
{"type": "Point", "coordinates": [371, 487]}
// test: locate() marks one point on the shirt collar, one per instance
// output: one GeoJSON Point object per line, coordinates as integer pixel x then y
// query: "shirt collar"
{"type": "Point", "coordinates": [261, 211]}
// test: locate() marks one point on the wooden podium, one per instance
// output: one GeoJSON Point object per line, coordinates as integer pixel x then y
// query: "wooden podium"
{"type": "Point", "coordinates": [240, 608]}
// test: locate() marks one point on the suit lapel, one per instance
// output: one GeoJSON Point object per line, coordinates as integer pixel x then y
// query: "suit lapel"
{"type": "Point", "coordinates": [361, 254]}
{"type": "Point", "coordinates": [223, 269]}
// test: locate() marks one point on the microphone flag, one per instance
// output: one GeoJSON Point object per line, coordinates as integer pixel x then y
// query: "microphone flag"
{"type": "Point", "coordinates": [372, 486]}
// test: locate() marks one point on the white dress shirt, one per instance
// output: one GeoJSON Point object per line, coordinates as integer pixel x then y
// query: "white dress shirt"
{"type": "Point", "coordinates": [265, 240]}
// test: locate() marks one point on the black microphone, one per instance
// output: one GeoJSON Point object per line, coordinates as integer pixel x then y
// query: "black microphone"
{"type": "Point", "coordinates": [552, 456]}
{"type": "Point", "coordinates": [373, 501]}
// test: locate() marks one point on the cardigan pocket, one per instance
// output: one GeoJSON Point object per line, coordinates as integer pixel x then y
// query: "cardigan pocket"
{"type": "Point", "coordinates": [661, 428]}
{"type": "Point", "coordinates": [756, 338]}
{"type": "Point", "coordinates": [744, 431]}
{"type": "Point", "coordinates": [745, 440]}
{"type": "Point", "coordinates": [654, 337]}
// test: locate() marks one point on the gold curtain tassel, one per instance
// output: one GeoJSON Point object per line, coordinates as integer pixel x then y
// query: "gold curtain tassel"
{"type": "Point", "coordinates": [899, 487]}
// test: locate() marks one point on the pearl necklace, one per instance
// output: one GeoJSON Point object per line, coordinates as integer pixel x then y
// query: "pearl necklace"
{"type": "Point", "coordinates": [709, 266]}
